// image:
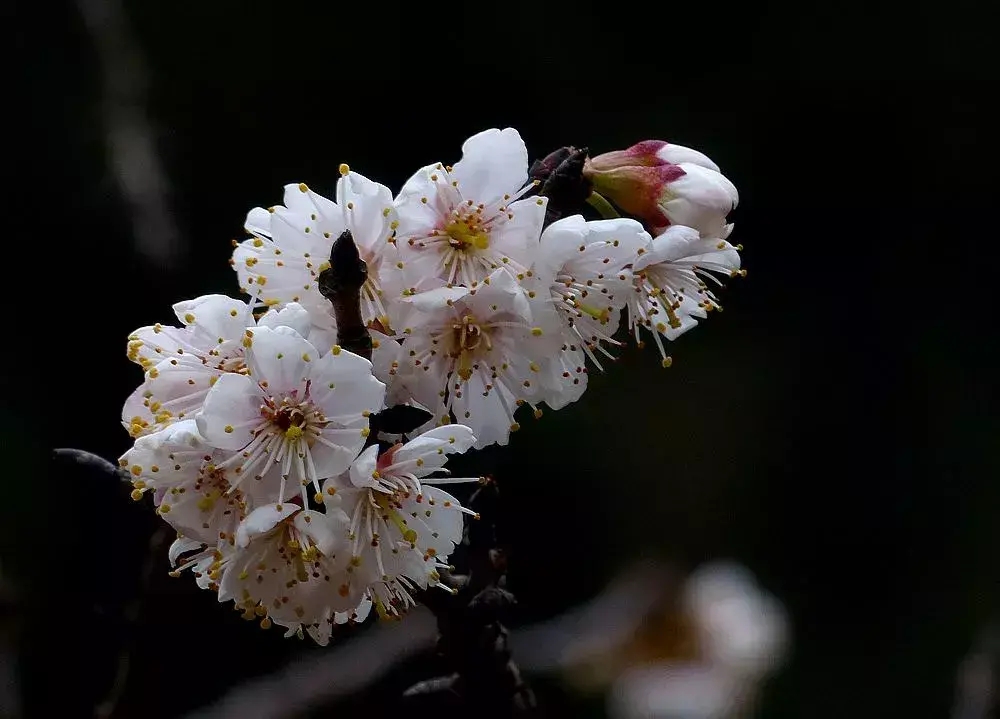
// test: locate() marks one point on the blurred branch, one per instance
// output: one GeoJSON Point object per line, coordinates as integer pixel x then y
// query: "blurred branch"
{"type": "Point", "coordinates": [131, 147]}
{"type": "Point", "coordinates": [978, 681]}
{"type": "Point", "coordinates": [156, 543]}
{"type": "Point", "coordinates": [358, 663]}
{"type": "Point", "coordinates": [338, 672]}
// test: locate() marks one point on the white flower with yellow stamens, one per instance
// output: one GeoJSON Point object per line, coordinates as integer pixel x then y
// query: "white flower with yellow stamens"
{"type": "Point", "coordinates": [290, 246]}
{"type": "Point", "coordinates": [295, 418]}
{"type": "Point", "coordinates": [183, 362]}
{"type": "Point", "coordinates": [190, 490]}
{"type": "Point", "coordinates": [670, 294]}
{"type": "Point", "coordinates": [286, 567]}
{"type": "Point", "coordinates": [402, 529]}
{"type": "Point", "coordinates": [579, 287]}
{"type": "Point", "coordinates": [458, 224]}
{"type": "Point", "coordinates": [475, 351]}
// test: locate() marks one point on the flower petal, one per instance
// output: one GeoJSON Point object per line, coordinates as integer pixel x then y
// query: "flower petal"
{"type": "Point", "coordinates": [214, 317]}
{"type": "Point", "coordinates": [281, 357]}
{"type": "Point", "coordinates": [343, 387]}
{"type": "Point", "coordinates": [262, 520]}
{"type": "Point", "coordinates": [363, 468]}
{"type": "Point", "coordinates": [449, 439]}
{"type": "Point", "coordinates": [494, 162]}
{"type": "Point", "coordinates": [367, 208]}
{"type": "Point", "coordinates": [231, 411]}
{"type": "Point", "coordinates": [291, 315]}
{"type": "Point", "coordinates": [517, 238]}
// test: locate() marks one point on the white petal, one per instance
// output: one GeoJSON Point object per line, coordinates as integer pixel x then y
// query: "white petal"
{"type": "Point", "coordinates": [302, 200]}
{"type": "Point", "coordinates": [281, 357]}
{"type": "Point", "coordinates": [518, 237]}
{"type": "Point", "coordinates": [258, 222]}
{"type": "Point", "coordinates": [494, 162]}
{"type": "Point", "coordinates": [327, 531]}
{"type": "Point", "coordinates": [215, 317]}
{"type": "Point", "coordinates": [231, 411]}
{"type": "Point", "coordinates": [367, 208]}
{"type": "Point", "coordinates": [676, 154]}
{"type": "Point", "coordinates": [136, 417]}
{"type": "Point", "coordinates": [418, 204]}
{"type": "Point", "coordinates": [343, 387]}
{"type": "Point", "coordinates": [504, 292]}
{"type": "Point", "coordinates": [291, 315]}
{"type": "Point", "coordinates": [363, 467]}
{"type": "Point", "coordinates": [262, 520]}
{"type": "Point", "coordinates": [450, 439]}
{"type": "Point", "coordinates": [558, 243]}
{"type": "Point", "coordinates": [180, 546]}
{"type": "Point", "coordinates": [436, 299]}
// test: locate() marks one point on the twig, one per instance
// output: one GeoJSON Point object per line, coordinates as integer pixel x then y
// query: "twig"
{"type": "Point", "coordinates": [156, 542]}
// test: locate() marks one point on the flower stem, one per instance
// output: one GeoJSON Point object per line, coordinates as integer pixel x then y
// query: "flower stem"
{"type": "Point", "coordinates": [604, 207]}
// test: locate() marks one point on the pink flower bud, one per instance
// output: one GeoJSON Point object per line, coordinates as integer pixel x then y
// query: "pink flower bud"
{"type": "Point", "coordinates": [664, 184]}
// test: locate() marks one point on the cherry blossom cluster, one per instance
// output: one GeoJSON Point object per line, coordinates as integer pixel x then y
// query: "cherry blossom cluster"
{"type": "Point", "coordinates": [253, 427]}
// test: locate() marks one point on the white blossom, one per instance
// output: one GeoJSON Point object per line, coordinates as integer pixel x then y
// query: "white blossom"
{"type": "Point", "coordinates": [183, 362]}
{"type": "Point", "coordinates": [190, 490]}
{"type": "Point", "coordinates": [287, 563]}
{"type": "Point", "coordinates": [670, 292]}
{"type": "Point", "coordinates": [402, 529]}
{"type": "Point", "coordinates": [459, 224]}
{"type": "Point", "coordinates": [579, 286]}
{"type": "Point", "coordinates": [475, 352]}
{"type": "Point", "coordinates": [290, 246]}
{"type": "Point", "coordinates": [294, 418]}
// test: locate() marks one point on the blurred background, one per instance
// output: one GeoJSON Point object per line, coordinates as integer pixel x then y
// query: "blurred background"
{"type": "Point", "coordinates": [823, 451]}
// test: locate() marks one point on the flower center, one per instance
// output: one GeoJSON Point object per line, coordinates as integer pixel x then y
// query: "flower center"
{"type": "Point", "coordinates": [291, 420]}
{"type": "Point", "coordinates": [388, 505]}
{"type": "Point", "coordinates": [467, 232]}
{"type": "Point", "coordinates": [468, 336]}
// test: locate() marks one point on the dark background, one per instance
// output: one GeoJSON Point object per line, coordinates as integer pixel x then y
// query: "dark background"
{"type": "Point", "coordinates": [832, 429]}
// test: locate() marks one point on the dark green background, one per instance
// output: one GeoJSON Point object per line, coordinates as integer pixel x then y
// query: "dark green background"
{"type": "Point", "coordinates": [832, 429]}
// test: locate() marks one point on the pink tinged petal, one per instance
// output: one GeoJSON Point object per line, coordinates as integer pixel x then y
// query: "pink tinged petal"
{"type": "Point", "coordinates": [677, 154]}
{"type": "Point", "coordinates": [367, 209]}
{"type": "Point", "coordinates": [364, 467]}
{"type": "Point", "coordinates": [291, 315]}
{"type": "Point", "coordinates": [281, 357]}
{"type": "Point", "coordinates": [518, 237]}
{"type": "Point", "coordinates": [262, 520]}
{"type": "Point", "coordinates": [494, 162]}
{"type": "Point", "coordinates": [642, 154]}
{"type": "Point", "coordinates": [231, 411]}
{"type": "Point", "coordinates": [637, 190]}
